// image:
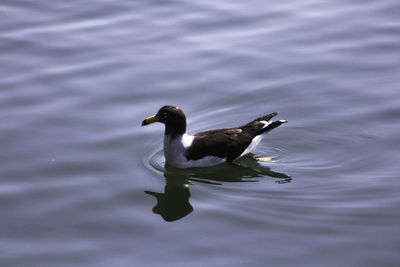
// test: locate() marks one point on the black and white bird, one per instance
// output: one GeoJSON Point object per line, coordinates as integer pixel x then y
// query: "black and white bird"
{"type": "Point", "coordinates": [208, 148]}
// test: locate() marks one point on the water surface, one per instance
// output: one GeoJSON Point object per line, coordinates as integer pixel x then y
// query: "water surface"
{"type": "Point", "coordinates": [83, 184]}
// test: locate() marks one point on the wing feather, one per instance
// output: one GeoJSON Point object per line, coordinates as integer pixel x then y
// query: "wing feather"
{"type": "Point", "coordinates": [223, 143]}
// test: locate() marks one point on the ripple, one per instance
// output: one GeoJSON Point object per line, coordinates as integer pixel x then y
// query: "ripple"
{"type": "Point", "coordinates": [309, 153]}
{"type": "Point", "coordinates": [225, 172]}
{"type": "Point", "coordinates": [78, 79]}
{"type": "Point", "coordinates": [156, 161]}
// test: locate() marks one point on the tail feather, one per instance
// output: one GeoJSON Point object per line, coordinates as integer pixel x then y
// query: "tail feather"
{"type": "Point", "coordinates": [267, 117]}
{"type": "Point", "coordinates": [264, 118]}
{"type": "Point", "coordinates": [271, 126]}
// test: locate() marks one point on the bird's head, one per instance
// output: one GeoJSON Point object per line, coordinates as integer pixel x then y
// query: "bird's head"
{"type": "Point", "coordinates": [173, 118]}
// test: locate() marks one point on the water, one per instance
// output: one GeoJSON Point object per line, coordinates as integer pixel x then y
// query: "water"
{"type": "Point", "coordinates": [83, 184]}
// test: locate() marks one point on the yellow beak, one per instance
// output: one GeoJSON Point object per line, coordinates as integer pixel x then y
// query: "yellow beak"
{"type": "Point", "coordinates": [149, 120]}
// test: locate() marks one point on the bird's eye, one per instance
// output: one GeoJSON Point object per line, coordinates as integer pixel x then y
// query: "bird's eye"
{"type": "Point", "coordinates": [164, 115]}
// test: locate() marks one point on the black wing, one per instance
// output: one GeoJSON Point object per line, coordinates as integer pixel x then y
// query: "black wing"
{"type": "Point", "coordinates": [223, 143]}
{"type": "Point", "coordinates": [229, 142]}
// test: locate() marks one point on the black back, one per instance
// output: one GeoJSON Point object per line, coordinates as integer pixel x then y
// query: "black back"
{"type": "Point", "coordinates": [222, 143]}
{"type": "Point", "coordinates": [229, 142]}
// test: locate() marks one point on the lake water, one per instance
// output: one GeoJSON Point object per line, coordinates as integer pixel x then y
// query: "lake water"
{"type": "Point", "coordinates": [83, 184]}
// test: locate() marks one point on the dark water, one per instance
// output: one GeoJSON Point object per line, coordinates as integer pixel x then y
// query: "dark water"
{"type": "Point", "coordinates": [83, 184]}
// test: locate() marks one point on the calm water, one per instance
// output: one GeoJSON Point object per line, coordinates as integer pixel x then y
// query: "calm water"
{"type": "Point", "coordinates": [83, 184]}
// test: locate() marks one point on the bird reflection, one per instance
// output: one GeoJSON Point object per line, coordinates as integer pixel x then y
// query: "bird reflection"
{"type": "Point", "coordinates": [174, 203]}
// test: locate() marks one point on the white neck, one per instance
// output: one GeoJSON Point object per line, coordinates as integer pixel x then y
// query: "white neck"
{"type": "Point", "coordinates": [174, 148]}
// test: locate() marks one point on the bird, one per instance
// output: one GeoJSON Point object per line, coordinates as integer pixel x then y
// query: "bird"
{"type": "Point", "coordinates": [208, 148]}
